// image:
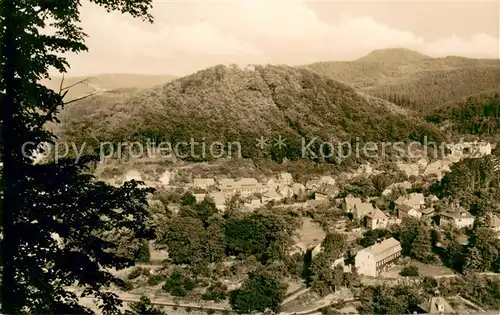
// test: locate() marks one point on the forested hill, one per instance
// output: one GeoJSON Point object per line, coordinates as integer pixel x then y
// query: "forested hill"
{"type": "Point", "coordinates": [230, 104]}
{"type": "Point", "coordinates": [414, 80]}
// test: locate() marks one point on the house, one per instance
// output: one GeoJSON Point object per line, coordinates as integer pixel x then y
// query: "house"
{"type": "Point", "coordinates": [374, 260]}
{"type": "Point", "coordinates": [495, 224]}
{"type": "Point", "coordinates": [458, 218]}
{"type": "Point", "coordinates": [253, 202]}
{"type": "Point", "coordinates": [402, 185]}
{"type": "Point", "coordinates": [298, 189]}
{"type": "Point", "coordinates": [405, 210]}
{"type": "Point", "coordinates": [199, 196]}
{"type": "Point", "coordinates": [219, 200]}
{"type": "Point", "coordinates": [285, 192]}
{"type": "Point", "coordinates": [203, 183]}
{"type": "Point", "coordinates": [313, 184]}
{"type": "Point", "coordinates": [363, 209]}
{"type": "Point", "coordinates": [326, 192]}
{"type": "Point", "coordinates": [350, 203]}
{"type": "Point", "coordinates": [327, 180]}
{"type": "Point", "coordinates": [436, 305]}
{"type": "Point", "coordinates": [285, 178]}
{"type": "Point", "coordinates": [404, 205]}
{"type": "Point", "coordinates": [245, 186]}
{"type": "Point", "coordinates": [376, 220]}
{"type": "Point", "coordinates": [427, 214]}
{"type": "Point", "coordinates": [271, 195]}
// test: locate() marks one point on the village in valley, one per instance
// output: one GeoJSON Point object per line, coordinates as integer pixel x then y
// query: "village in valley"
{"type": "Point", "coordinates": [369, 225]}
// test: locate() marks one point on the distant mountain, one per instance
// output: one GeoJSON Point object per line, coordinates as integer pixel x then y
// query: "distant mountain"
{"type": "Point", "coordinates": [83, 86]}
{"type": "Point", "coordinates": [421, 82]}
{"type": "Point", "coordinates": [394, 55]}
{"type": "Point", "coordinates": [230, 104]}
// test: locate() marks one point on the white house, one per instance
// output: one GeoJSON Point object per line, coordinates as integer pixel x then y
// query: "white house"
{"type": "Point", "coordinates": [405, 210]}
{"type": "Point", "coordinates": [459, 219]}
{"type": "Point", "coordinates": [376, 220]}
{"type": "Point", "coordinates": [374, 260]}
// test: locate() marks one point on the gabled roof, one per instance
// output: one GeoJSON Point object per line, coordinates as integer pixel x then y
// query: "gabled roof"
{"type": "Point", "coordinates": [378, 214]}
{"type": "Point", "coordinates": [458, 215]}
{"type": "Point", "coordinates": [350, 200]}
{"type": "Point", "coordinates": [364, 208]}
{"type": "Point", "coordinates": [384, 249]}
{"type": "Point", "coordinates": [432, 306]}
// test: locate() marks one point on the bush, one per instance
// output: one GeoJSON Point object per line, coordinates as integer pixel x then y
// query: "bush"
{"type": "Point", "coordinates": [179, 284]}
{"type": "Point", "coordinates": [410, 271]}
{"type": "Point", "coordinates": [135, 273]}
{"type": "Point", "coordinates": [216, 292]}
{"type": "Point", "coordinates": [127, 286]}
{"type": "Point", "coordinates": [143, 254]}
{"type": "Point", "coordinates": [156, 279]}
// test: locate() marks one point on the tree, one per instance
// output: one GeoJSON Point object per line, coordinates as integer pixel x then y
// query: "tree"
{"type": "Point", "coordinates": [144, 307]}
{"type": "Point", "coordinates": [262, 290]}
{"type": "Point", "coordinates": [334, 245]}
{"type": "Point", "coordinates": [143, 254]}
{"type": "Point", "coordinates": [185, 239]}
{"type": "Point", "coordinates": [40, 201]}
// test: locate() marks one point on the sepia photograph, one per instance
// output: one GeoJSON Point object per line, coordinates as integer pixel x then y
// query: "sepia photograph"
{"type": "Point", "coordinates": [265, 157]}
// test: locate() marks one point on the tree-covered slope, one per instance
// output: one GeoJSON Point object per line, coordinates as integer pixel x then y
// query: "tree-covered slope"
{"type": "Point", "coordinates": [230, 104]}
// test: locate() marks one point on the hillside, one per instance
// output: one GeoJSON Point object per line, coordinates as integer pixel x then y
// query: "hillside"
{"type": "Point", "coordinates": [230, 104]}
{"type": "Point", "coordinates": [82, 86]}
{"type": "Point", "coordinates": [422, 82]}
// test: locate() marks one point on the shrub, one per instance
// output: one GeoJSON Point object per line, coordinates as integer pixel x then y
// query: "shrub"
{"type": "Point", "coordinates": [410, 271]}
{"type": "Point", "coordinates": [156, 279]}
{"type": "Point", "coordinates": [179, 284]}
{"type": "Point", "coordinates": [143, 254]}
{"type": "Point", "coordinates": [216, 292]}
{"type": "Point", "coordinates": [135, 273]}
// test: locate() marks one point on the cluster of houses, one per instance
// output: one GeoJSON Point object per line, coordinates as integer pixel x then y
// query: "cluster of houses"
{"type": "Point", "coordinates": [256, 194]}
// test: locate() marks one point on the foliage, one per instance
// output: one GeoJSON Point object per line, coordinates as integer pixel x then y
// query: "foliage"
{"type": "Point", "coordinates": [214, 104]}
{"type": "Point", "coordinates": [144, 307]}
{"type": "Point", "coordinates": [325, 279]}
{"type": "Point", "coordinates": [136, 272]}
{"type": "Point", "coordinates": [264, 235]}
{"type": "Point", "coordinates": [409, 271]}
{"type": "Point", "coordinates": [143, 254]}
{"type": "Point", "coordinates": [389, 300]}
{"type": "Point", "coordinates": [178, 284]}
{"type": "Point", "coordinates": [216, 292]}
{"type": "Point", "coordinates": [156, 279]}
{"type": "Point", "coordinates": [262, 290]}
{"type": "Point", "coordinates": [370, 237]}
{"type": "Point", "coordinates": [40, 201]}
{"type": "Point", "coordinates": [415, 238]}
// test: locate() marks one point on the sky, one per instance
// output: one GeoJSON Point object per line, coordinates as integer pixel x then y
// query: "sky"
{"type": "Point", "coordinates": [188, 36]}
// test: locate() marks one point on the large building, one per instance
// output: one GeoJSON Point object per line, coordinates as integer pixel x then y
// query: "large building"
{"type": "Point", "coordinates": [245, 187]}
{"type": "Point", "coordinates": [458, 218]}
{"type": "Point", "coordinates": [373, 260]}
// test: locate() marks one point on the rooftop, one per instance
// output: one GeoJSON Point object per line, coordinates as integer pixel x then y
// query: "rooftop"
{"type": "Point", "coordinates": [377, 214]}
{"type": "Point", "coordinates": [385, 248]}
{"type": "Point", "coordinates": [457, 214]}
{"type": "Point", "coordinates": [437, 305]}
